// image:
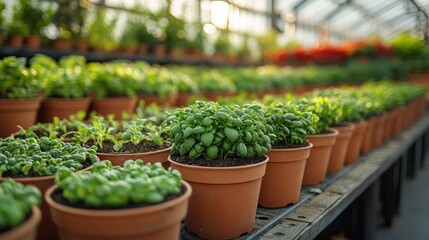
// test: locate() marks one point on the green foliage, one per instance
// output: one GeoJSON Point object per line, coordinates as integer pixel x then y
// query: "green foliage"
{"type": "Point", "coordinates": [152, 111]}
{"type": "Point", "coordinates": [100, 30]}
{"type": "Point", "coordinates": [42, 156]}
{"type": "Point", "coordinates": [67, 79]}
{"type": "Point", "coordinates": [16, 201]}
{"type": "Point", "coordinates": [2, 17]}
{"type": "Point", "coordinates": [222, 44]}
{"type": "Point", "coordinates": [289, 124]}
{"type": "Point", "coordinates": [34, 15]}
{"type": "Point", "coordinates": [327, 110]}
{"type": "Point", "coordinates": [214, 81]}
{"type": "Point", "coordinates": [212, 131]}
{"type": "Point", "coordinates": [175, 35]}
{"type": "Point", "coordinates": [115, 79]}
{"type": "Point", "coordinates": [16, 80]}
{"type": "Point", "coordinates": [137, 32]}
{"type": "Point", "coordinates": [107, 186]}
{"type": "Point", "coordinates": [69, 18]}
{"type": "Point", "coordinates": [56, 128]}
{"type": "Point", "coordinates": [157, 81]}
{"type": "Point", "coordinates": [101, 131]}
{"type": "Point", "coordinates": [407, 46]}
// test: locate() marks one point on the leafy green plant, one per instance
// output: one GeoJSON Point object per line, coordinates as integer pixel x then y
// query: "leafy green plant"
{"type": "Point", "coordinates": [69, 18]}
{"type": "Point", "coordinates": [157, 81]}
{"type": "Point", "coordinates": [2, 17]}
{"type": "Point", "coordinates": [16, 80]}
{"type": "Point", "coordinates": [103, 132]}
{"type": "Point", "coordinates": [326, 109]}
{"type": "Point", "coordinates": [17, 25]}
{"type": "Point", "coordinates": [107, 186]}
{"type": "Point", "coordinates": [34, 15]}
{"type": "Point", "coordinates": [16, 201]}
{"type": "Point", "coordinates": [55, 129]}
{"type": "Point", "coordinates": [41, 156]}
{"type": "Point", "coordinates": [222, 44]}
{"type": "Point", "coordinates": [115, 79]}
{"type": "Point", "coordinates": [289, 124]}
{"type": "Point", "coordinates": [212, 131]}
{"type": "Point", "coordinates": [152, 111]}
{"type": "Point", "coordinates": [407, 46]}
{"type": "Point", "coordinates": [213, 81]}
{"type": "Point", "coordinates": [68, 79]}
{"type": "Point", "coordinates": [100, 31]}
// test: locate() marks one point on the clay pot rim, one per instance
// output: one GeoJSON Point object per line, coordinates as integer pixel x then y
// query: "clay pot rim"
{"type": "Point", "coordinates": [135, 154]}
{"type": "Point", "coordinates": [116, 212]}
{"type": "Point", "coordinates": [220, 168]}
{"type": "Point", "coordinates": [292, 149]}
{"type": "Point", "coordinates": [57, 99]}
{"type": "Point", "coordinates": [21, 99]}
{"type": "Point", "coordinates": [26, 226]}
{"type": "Point", "coordinates": [349, 126]}
{"type": "Point", "coordinates": [107, 98]}
{"type": "Point", "coordinates": [333, 132]}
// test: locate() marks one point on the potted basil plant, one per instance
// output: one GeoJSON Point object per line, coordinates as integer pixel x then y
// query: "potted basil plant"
{"type": "Point", "coordinates": [18, 210]}
{"type": "Point", "coordinates": [136, 201]}
{"type": "Point", "coordinates": [35, 161]}
{"type": "Point", "coordinates": [289, 126]}
{"type": "Point", "coordinates": [220, 151]}
{"type": "Point", "coordinates": [19, 95]}
{"type": "Point", "coordinates": [65, 85]}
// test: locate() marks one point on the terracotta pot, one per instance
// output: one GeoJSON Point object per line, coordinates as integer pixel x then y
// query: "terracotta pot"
{"type": "Point", "coordinates": [143, 49]}
{"type": "Point", "coordinates": [129, 50]}
{"type": "Point", "coordinates": [176, 53]}
{"type": "Point", "coordinates": [27, 230]}
{"type": "Point", "coordinates": [160, 50]}
{"type": "Point", "coordinates": [281, 184]}
{"type": "Point", "coordinates": [118, 159]}
{"type": "Point", "coordinates": [183, 99]}
{"type": "Point", "coordinates": [61, 108]}
{"type": "Point", "coordinates": [355, 142]}
{"type": "Point", "coordinates": [388, 125]}
{"type": "Point", "coordinates": [114, 105]}
{"type": "Point", "coordinates": [377, 139]}
{"type": "Point", "coordinates": [213, 96]}
{"type": "Point", "coordinates": [47, 228]}
{"type": "Point", "coordinates": [339, 149]}
{"type": "Point", "coordinates": [62, 44]}
{"type": "Point", "coordinates": [398, 122]}
{"type": "Point", "coordinates": [154, 99]}
{"type": "Point", "coordinates": [317, 163]}
{"type": "Point", "coordinates": [368, 136]}
{"type": "Point", "coordinates": [34, 42]}
{"type": "Point", "coordinates": [16, 41]}
{"type": "Point", "coordinates": [15, 112]}
{"type": "Point", "coordinates": [224, 199]}
{"type": "Point", "coordinates": [82, 46]}
{"type": "Point", "coordinates": [158, 222]}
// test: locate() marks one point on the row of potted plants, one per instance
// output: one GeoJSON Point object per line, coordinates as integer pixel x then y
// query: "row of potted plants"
{"type": "Point", "coordinates": [89, 27]}
{"type": "Point", "coordinates": [403, 46]}
{"type": "Point", "coordinates": [138, 200]}
{"type": "Point", "coordinates": [72, 85]}
{"type": "Point", "coordinates": [242, 140]}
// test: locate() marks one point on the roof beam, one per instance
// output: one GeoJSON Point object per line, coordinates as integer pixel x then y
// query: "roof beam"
{"type": "Point", "coordinates": [299, 5]}
{"type": "Point", "coordinates": [337, 10]}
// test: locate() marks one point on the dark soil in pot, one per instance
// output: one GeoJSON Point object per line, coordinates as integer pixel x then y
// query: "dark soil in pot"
{"type": "Point", "coordinates": [142, 147]}
{"type": "Point", "coordinates": [228, 162]}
